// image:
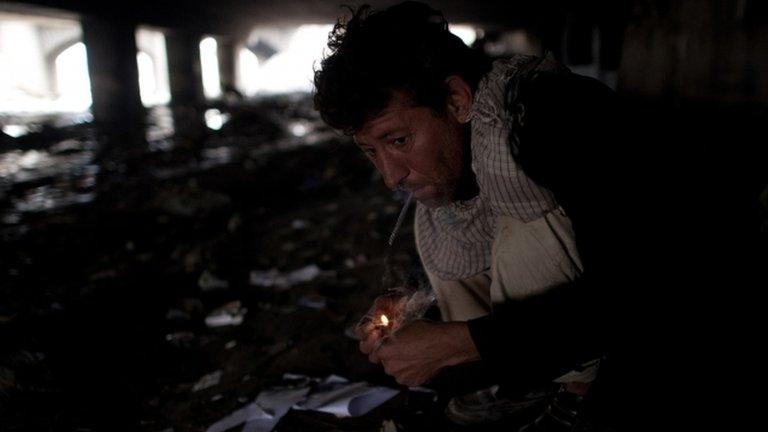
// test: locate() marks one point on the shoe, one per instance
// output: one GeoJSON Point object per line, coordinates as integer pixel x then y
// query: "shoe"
{"type": "Point", "coordinates": [483, 406]}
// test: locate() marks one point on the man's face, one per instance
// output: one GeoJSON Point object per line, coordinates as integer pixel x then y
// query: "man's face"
{"type": "Point", "coordinates": [415, 149]}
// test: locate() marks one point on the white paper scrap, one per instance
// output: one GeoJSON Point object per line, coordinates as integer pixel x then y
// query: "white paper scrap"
{"type": "Point", "coordinates": [245, 414]}
{"type": "Point", "coordinates": [273, 278]}
{"type": "Point", "coordinates": [231, 314]}
{"type": "Point", "coordinates": [264, 413]}
{"type": "Point", "coordinates": [277, 402]}
{"type": "Point", "coordinates": [334, 395]}
{"type": "Point", "coordinates": [207, 381]}
{"type": "Point", "coordinates": [343, 399]}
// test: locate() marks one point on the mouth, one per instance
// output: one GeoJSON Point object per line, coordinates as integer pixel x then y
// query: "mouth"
{"type": "Point", "coordinates": [412, 188]}
{"type": "Point", "coordinates": [420, 192]}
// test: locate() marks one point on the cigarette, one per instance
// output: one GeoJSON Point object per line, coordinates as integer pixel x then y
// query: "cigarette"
{"type": "Point", "coordinates": [401, 217]}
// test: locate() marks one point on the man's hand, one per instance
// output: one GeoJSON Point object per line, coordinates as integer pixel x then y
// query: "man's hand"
{"type": "Point", "coordinates": [417, 352]}
{"type": "Point", "coordinates": [370, 331]}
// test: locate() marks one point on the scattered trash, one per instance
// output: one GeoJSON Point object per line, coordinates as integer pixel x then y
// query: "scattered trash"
{"type": "Point", "coordinates": [299, 224]}
{"type": "Point", "coordinates": [264, 413]}
{"type": "Point", "coordinates": [231, 314]}
{"type": "Point", "coordinates": [276, 308]}
{"type": "Point", "coordinates": [104, 274]}
{"type": "Point", "coordinates": [182, 339]}
{"type": "Point", "coordinates": [388, 426]}
{"type": "Point", "coordinates": [313, 301]}
{"type": "Point", "coordinates": [273, 278]}
{"type": "Point", "coordinates": [176, 314]}
{"type": "Point", "coordinates": [334, 395]}
{"type": "Point", "coordinates": [184, 310]}
{"type": "Point", "coordinates": [358, 260]}
{"type": "Point", "coordinates": [209, 282]}
{"type": "Point", "coordinates": [234, 223]}
{"type": "Point", "coordinates": [193, 224]}
{"type": "Point", "coordinates": [208, 381]}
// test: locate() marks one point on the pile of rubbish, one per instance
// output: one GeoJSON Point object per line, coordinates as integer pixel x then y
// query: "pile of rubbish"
{"type": "Point", "coordinates": [197, 274]}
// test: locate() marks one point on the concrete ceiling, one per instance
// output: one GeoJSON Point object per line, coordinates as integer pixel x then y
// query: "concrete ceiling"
{"type": "Point", "coordinates": [236, 17]}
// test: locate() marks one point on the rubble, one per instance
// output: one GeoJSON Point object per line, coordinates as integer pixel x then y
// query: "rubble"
{"type": "Point", "coordinates": [207, 381]}
{"type": "Point", "coordinates": [313, 301]}
{"type": "Point", "coordinates": [182, 339]}
{"type": "Point", "coordinates": [208, 282]}
{"type": "Point", "coordinates": [278, 280]}
{"type": "Point", "coordinates": [231, 314]}
{"type": "Point", "coordinates": [334, 395]}
{"type": "Point", "coordinates": [176, 241]}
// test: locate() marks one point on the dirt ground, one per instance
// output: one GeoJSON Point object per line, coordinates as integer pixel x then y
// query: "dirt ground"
{"type": "Point", "coordinates": [111, 264]}
{"type": "Point", "coordinates": [115, 253]}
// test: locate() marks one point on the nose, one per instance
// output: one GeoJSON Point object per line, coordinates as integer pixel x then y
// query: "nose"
{"type": "Point", "coordinates": [392, 169]}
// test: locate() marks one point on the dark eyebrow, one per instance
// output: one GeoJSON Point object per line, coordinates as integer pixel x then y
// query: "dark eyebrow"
{"type": "Point", "coordinates": [390, 132]}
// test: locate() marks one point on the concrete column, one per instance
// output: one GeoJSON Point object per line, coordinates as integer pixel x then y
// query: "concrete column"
{"type": "Point", "coordinates": [186, 82]}
{"type": "Point", "coordinates": [114, 74]}
{"type": "Point", "coordinates": [184, 68]}
{"type": "Point", "coordinates": [226, 54]}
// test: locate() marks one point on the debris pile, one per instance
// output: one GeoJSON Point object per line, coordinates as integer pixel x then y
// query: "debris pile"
{"type": "Point", "coordinates": [200, 269]}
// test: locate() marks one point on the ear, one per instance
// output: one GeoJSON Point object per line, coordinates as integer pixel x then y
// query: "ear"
{"type": "Point", "coordinates": [459, 102]}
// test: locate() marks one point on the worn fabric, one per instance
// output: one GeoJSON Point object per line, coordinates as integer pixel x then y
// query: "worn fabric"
{"type": "Point", "coordinates": [456, 239]}
{"type": "Point", "coordinates": [530, 258]}
{"type": "Point", "coordinates": [534, 149]}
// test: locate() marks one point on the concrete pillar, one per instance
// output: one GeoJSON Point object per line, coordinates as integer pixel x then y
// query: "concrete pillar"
{"type": "Point", "coordinates": [226, 54]}
{"type": "Point", "coordinates": [184, 68]}
{"type": "Point", "coordinates": [186, 83]}
{"type": "Point", "coordinates": [114, 74]}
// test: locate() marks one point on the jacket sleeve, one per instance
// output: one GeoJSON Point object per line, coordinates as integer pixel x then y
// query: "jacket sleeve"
{"type": "Point", "coordinates": [567, 143]}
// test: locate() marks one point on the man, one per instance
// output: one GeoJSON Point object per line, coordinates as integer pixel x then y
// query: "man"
{"type": "Point", "coordinates": [512, 223]}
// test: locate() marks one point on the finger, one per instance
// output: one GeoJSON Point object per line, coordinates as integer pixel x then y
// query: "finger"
{"type": "Point", "coordinates": [380, 343]}
{"type": "Point", "coordinates": [370, 343]}
{"type": "Point", "coordinates": [364, 329]}
{"type": "Point", "coordinates": [365, 347]}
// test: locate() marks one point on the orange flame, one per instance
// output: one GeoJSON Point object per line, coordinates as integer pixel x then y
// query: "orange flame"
{"type": "Point", "coordinates": [384, 320]}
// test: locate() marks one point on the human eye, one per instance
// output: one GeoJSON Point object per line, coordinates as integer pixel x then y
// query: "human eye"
{"type": "Point", "coordinates": [400, 141]}
{"type": "Point", "coordinates": [368, 151]}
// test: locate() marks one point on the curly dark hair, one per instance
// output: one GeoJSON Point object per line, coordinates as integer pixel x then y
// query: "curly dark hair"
{"type": "Point", "coordinates": [406, 47]}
